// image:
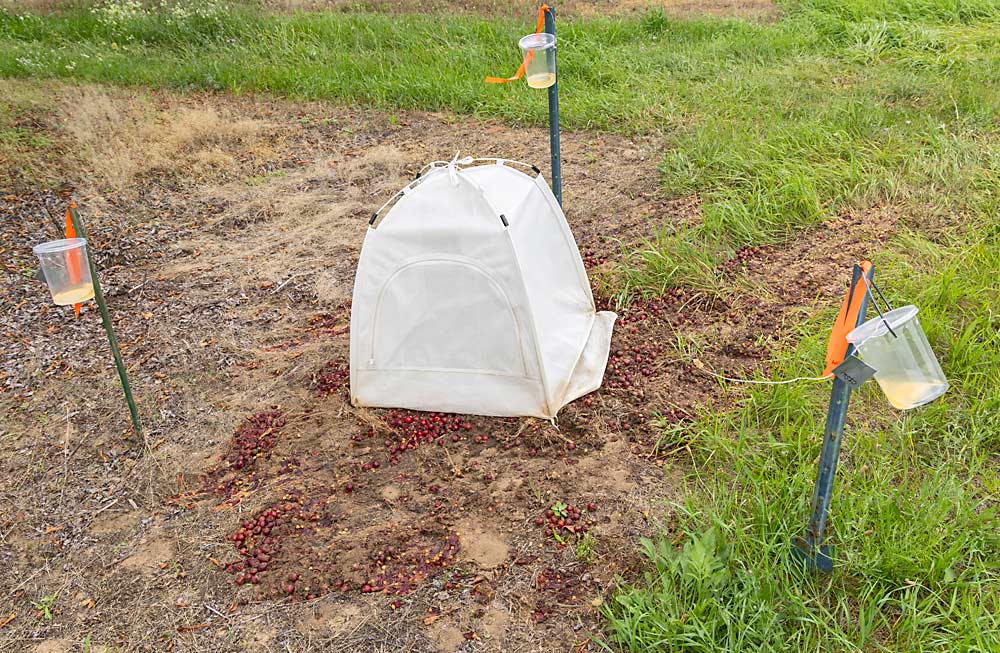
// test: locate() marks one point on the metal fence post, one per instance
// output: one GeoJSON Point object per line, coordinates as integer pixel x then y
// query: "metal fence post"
{"type": "Point", "coordinates": [81, 231]}
{"type": "Point", "coordinates": [550, 28]}
{"type": "Point", "coordinates": [810, 550]}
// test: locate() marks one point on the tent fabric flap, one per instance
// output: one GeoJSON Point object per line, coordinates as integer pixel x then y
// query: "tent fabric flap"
{"type": "Point", "coordinates": [471, 297]}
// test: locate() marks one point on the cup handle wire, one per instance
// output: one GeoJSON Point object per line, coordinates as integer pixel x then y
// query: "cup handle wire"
{"type": "Point", "coordinates": [868, 287]}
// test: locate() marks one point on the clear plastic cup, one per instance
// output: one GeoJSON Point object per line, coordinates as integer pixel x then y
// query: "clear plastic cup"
{"type": "Point", "coordinates": [906, 368]}
{"type": "Point", "coordinates": [66, 270]}
{"type": "Point", "coordinates": [539, 59]}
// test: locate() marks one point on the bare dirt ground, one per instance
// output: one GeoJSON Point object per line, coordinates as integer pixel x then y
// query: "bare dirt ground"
{"type": "Point", "coordinates": [260, 511]}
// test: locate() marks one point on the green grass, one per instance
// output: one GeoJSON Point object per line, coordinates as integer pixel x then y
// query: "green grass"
{"type": "Point", "coordinates": [914, 516]}
{"type": "Point", "coordinates": [777, 126]}
{"type": "Point", "coordinates": [839, 105]}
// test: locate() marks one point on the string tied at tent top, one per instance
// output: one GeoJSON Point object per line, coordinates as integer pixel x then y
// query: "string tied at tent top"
{"type": "Point", "coordinates": [453, 171]}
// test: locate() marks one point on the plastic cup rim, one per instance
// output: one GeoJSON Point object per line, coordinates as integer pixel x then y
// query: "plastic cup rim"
{"type": "Point", "coordinates": [876, 326]}
{"type": "Point", "coordinates": [537, 41]}
{"type": "Point", "coordinates": [61, 245]}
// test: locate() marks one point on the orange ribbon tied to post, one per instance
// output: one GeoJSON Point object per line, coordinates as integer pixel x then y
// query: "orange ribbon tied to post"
{"type": "Point", "coordinates": [527, 56]}
{"type": "Point", "coordinates": [73, 259]}
{"type": "Point", "coordinates": [847, 320]}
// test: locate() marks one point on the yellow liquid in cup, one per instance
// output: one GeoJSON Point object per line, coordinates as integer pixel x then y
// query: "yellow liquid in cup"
{"type": "Point", "coordinates": [74, 295]}
{"type": "Point", "coordinates": [541, 80]}
{"type": "Point", "coordinates": [907, 394]}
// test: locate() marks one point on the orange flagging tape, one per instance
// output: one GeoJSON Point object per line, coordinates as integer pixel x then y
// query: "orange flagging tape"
{"type": "Point", "coordinates": [73, 258]}
{"type": "Point", "coordinates": [847, 319]}
{"type": "Point", "coordinates": [527, 57]}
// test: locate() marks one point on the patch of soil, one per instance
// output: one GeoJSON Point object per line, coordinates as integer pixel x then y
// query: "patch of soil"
{"type": "Point", "coordinates": [148, 556]}
{"type": "Point", "coordinates": [53, 646]}
{"type": "Point", "coordinates": [259, 509]}
{"type": "Point", "coordinates": [331, 619]}
{"type": "Point", "coordinates": [483, 547]}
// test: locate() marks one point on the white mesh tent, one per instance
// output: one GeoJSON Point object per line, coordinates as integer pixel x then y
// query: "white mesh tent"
{"type": "Point", "coordinates": [471, 297]}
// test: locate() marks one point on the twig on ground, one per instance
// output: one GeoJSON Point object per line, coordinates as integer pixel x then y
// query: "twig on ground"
{"type": "Point", "coordinates": [100, 510]}
{"type": "Point", "coordinates": [65, 475]}
{"type": "Point", "coordinates": [454, 468]}
{"type": "Point", "coordinates": [285, 282]}
{"type": "Point", "coordinates": [211, 609]}
{"type": "Point", "coordinates": [185, 629]}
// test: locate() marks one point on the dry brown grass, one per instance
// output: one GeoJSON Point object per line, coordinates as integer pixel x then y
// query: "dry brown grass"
{"type": "Point", "coordinates": [31, 149]}
{"type": "Point", "coordinates": [124, 136]}
{"type": "Point", "coordinates": [300, 225]}
{"type": "Point", "coordinates": [303, 224]}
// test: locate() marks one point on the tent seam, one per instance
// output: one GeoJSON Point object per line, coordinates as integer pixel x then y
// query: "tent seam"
{"type": "Point", "coordinates": [567, 235]}
{"type": "Point", "coordinates": [534, 329]}
{"type": "Point", "coordinates": [528, 308]}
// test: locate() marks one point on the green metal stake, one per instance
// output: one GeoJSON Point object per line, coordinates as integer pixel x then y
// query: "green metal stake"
{"type": "Point", "coordinates": [106, 318]}
{"type": "Point", "coordinates": [554, 150]}
{"type": "Point", "coordinates": [811, 550]}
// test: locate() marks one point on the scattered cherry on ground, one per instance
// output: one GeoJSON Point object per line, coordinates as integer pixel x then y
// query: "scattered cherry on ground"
{"type": "Point", "coordinates": [741, 259]}
{"type": "Point", "coordinates": [398, 573]}
{"type": "Point", "coordinates": [254, 438]}
{"type": "Point", "coordinates": [260, 539]}
{"type": "Point", "coordinates": [564, 588]}
{"type": "Point", "coordinates": [564, 523]}
{"type": "Point", "coordinates": [412, 429]}
{"type": "Point", "coordinates": [335, 323]}
{"type": "Point", "coordinates": [334, 376]}
{"type": "Point", "coordinates": [628, 367]}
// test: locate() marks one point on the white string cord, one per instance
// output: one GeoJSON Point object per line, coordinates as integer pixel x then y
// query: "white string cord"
{"type": "Point", "coordinates": [868, 288]}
